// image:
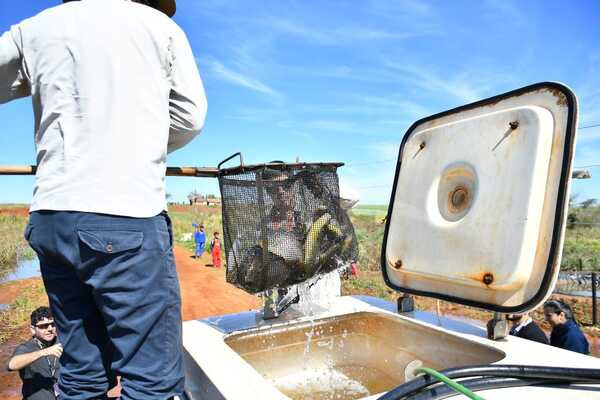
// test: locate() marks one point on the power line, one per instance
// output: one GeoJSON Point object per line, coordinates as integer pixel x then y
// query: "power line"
{"type": "Point", "coordinates": [588, 166]}
{"type": "Point", "coordinates": [589, 126]}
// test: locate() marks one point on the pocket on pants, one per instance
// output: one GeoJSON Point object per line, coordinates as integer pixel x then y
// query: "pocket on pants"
{"type": "Point", "coordinates": [111, 241]}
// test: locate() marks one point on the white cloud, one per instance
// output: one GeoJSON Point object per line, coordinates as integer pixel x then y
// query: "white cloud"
{"type": "Point", "coordinates": [345, 35]}
{"type": "Point", "coordinates": [465, 86]}
{"type": "Point", "coordinates": [227, 74]}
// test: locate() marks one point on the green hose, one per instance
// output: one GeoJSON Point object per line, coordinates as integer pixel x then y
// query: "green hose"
{"type": "Point", "coordinates": [453, 384]}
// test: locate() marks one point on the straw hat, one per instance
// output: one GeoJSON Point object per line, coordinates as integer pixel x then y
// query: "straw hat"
{"type": "Point", "coordinates": [167, 6]}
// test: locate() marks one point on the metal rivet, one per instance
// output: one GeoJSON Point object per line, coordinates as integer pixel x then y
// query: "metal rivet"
{"type": "Point", "coordinates": [459, 199]}
{"type": "Point", "coordinates": [488, 278]}
{"type": "Point", "coordinates": [109, 248]}
{"type": "Point", "coordinates": [398, 264]}
{"type": "Point", "coordinates": [422, 145]}
{"type": "Point", "coordinates": [513, 125]}
{"type": "Point", "coordinates": [460, 195]}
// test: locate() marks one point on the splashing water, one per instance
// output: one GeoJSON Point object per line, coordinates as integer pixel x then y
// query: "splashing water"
{"type": "Point", "coordinates": [325, 383]}
{"type": "Point", "coordinates": [321, 290]}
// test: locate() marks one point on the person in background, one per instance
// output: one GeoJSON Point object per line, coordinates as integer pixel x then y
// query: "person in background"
{"type": "Point", "coordinates": [524, 327]}
{"type": "Point", "coordinates": [215, 250]}
{"type": "Point", "coordinates": [200, 239]}
{"type": "Point", "coordinates": [37, 359]}
{"type": "Point", "coordinates": [115, 87]}
{"type": "Point", "coordinates": [565, 331]}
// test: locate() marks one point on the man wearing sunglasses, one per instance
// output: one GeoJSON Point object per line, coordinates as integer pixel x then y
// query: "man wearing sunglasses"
{"type": "Point", "coordinates": [37, 359]}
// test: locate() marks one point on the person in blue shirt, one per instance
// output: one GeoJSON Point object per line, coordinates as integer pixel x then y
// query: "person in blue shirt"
{"type": "Point", "coordinates": [200, 239]}
{"type": "Point", "coordinates": [565, 331]}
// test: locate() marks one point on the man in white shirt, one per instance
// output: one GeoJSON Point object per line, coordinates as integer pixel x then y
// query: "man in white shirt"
{"type": "Point", "coordinates": [114, 87]}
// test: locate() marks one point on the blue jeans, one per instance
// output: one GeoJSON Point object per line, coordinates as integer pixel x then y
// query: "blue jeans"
{"type": "Point", "coordinates": [114, 294]}
{"type": "Point", "coordinates": [199, 249]}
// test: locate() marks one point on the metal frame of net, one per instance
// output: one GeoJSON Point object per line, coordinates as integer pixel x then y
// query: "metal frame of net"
{"type": "Point", "coordinates": [283, 223]}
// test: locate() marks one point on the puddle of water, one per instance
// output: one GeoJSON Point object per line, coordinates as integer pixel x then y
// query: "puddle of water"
{"type": "Point", "coordinates": [4, 307]}
{"type": "Point", "coordinates": [25, 269]}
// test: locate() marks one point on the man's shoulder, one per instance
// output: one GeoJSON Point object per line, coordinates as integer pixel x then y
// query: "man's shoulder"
{"type": "Point", "coordinates": [56, 13]}
{"type": "Point", "coordinates": [533, 330]}
{"type": "Point", "coordinates": [532, 326]}
{"type": "Point", "coordinates": [45, 14]}
{"type": "Point", "coordinates": [26, 347]}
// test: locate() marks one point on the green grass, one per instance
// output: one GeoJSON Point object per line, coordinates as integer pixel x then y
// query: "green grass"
{"type": "Point", "coordinates": [32, 296]}
{"type": "Point", "coordinates": [182, 224]}
{"type": "Point", "coordinates": [12, 246]}
{"type": "Point", "coordinates": [582, 243]}
{"type": "Point", "coordinates": [368, 284]}
{"type": "Point", "coordinates": [370, 210]}
{"type": "Point", "coordinates": [582, 239]}
{"type": "Point", "coordinates": [369, 232]}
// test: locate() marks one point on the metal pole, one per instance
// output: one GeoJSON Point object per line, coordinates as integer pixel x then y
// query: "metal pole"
{"type": "Point", "coordinates": [594, 318]}
{"type": "Point", "coordinates": [205, 172]}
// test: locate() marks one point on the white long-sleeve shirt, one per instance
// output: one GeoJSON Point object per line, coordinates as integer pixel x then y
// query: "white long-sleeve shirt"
{"type": "Point", "coordinates": [114, 87]}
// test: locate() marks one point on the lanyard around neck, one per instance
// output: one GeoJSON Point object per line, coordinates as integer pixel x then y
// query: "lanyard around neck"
{"type": "Point", "coordinates": [52, 366]}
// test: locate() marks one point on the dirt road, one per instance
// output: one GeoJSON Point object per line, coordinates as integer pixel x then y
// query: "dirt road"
{"type": "Point", "coordinates": [204, 292]}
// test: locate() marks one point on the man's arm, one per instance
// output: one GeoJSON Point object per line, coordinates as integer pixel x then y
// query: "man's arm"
{"type": "Point", "coordinates": [12, 81]}
{"type": "Point", "coordinates": [20, 361]}
{"type": "Point", "coordinates": [187, 101]}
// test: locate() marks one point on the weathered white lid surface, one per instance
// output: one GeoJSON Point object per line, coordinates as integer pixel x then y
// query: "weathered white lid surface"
{"type": "Point", "coordinates": [479, 202]}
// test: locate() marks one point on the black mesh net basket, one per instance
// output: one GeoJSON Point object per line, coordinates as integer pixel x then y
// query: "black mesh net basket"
{"type": "Point", "coordinates": [283, 223]}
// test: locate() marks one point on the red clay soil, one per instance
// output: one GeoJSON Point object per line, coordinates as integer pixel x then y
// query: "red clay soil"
{"type": "Point", "coordinates": [198, 207]}
{"type": "Point", "coordinates": [10, 290]}
{"type": "Point", "coordinates": [204, 292]}
{"type": "Point", "coordinates": [22, 211]}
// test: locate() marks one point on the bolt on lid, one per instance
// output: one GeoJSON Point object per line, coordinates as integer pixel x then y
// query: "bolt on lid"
{"type": "Point", "coordinates": [478, 207]}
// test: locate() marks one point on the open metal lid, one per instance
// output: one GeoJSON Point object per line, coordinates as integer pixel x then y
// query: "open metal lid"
{"type": "Point", "coordinates": [479, 202]}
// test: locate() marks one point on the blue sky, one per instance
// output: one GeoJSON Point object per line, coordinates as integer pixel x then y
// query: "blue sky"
{"type": "Point", "coordinates": [343, 80]}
